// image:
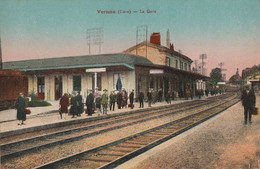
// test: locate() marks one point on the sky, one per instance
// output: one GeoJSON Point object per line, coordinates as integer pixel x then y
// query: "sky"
{"type": "Point", "coordinates": [226, 30]}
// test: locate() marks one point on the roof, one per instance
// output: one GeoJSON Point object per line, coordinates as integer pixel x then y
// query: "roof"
{"type": "Point", "coordinates": [86, 61]}
{"type": "Point", "coordinates": [161, 48]}
{"type": "Point", "coordinates": [168, 69]}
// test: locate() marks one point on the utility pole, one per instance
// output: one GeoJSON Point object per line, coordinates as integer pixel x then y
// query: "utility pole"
{"type": "Point", "coordinates": [221, 64]}
{"type": "Point", "coordinates": [141, 35]}
{"type": "Point", "coordinates": [203, 57]}
{"type": "Point", "coordinates": [95, 36]}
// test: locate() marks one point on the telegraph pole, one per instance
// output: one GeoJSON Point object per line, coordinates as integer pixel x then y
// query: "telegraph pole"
{"type": "Point", "coordinates": [141, 35]}
{"type": "Point", "coordinates": [221, 64]}
{"type": "Point", "coordinates": [203, 57]}
{"type": "Point", "coordinates": [95, 36]}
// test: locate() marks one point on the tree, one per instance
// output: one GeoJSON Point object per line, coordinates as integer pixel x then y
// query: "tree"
{"type": "Point", "coordinates": [215, 77]}
{"type": "Point", "coordinates": [236, 79]}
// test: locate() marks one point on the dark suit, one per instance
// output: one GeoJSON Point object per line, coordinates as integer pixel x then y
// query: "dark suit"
{"type": "Point", "coordinates": [141, 99]}
{"type": "Point", "coordinates": [131, 97]}
{"type": "Point", "coordinates": [89, 103]}
{"type": "Point", "coordinates": [248, 101]}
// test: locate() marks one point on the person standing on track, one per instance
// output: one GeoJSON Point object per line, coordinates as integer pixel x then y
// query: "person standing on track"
{"type": "Point", "coordinates": [248, 101]}
{"type": "Point", "coordinates": [20, 106]}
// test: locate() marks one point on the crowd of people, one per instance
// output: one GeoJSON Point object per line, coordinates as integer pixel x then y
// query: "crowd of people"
{"type": "Point", "coordinates": [100, 102]}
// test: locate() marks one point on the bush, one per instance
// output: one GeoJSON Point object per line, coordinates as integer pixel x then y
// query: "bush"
{"type": "Point", "coordinates": [37, 103]}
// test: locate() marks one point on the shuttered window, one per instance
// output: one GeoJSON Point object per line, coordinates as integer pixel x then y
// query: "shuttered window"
{"type": "Point", "coordinates": [76, 83]}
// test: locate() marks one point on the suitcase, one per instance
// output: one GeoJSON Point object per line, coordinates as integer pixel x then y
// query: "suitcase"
{"type": "Point", "coordinates": [255, 111]}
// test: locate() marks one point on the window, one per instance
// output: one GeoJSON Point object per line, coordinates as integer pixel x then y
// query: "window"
{"type": "Point", "coordinates": [115, 78]}
{"type": "Point", "coordinates": [99, 77]}
{"type": "Point", "coordinates": [176, 64]}
{"type": "Point", "coordinates": [41, 84]}
{"type": "Point", "coordinates": [151, 82]}
{"type": "Point", "coordinates": [76, 83]}
{"type": "Point", "coordinates": [168, 61]}
{"type": "Point", "coordinates": [185, 66]}
{"type": "Point", "coordinates": [181, 65]}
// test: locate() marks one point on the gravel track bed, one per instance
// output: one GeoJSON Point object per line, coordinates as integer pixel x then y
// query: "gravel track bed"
{"type": "Point", "coordinates": [67, 127]}
{"type": "Point", "coordinates": [46, 155]}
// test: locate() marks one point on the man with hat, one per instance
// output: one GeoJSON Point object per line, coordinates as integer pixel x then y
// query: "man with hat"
{"type": "Point", "coordinates": [104, 101]}
{"type": "Point", "coordinates": [248, 101]}
{"type": "Point", "coordinates": [112, 97]}
{"type": "Point", "coordinates": [131, 97]}
{"type": "Point", "coordinates": [89, 102]}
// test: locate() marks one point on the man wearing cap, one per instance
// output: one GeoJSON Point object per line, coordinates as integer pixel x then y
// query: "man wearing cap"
{"type": "Point", "coordinates": [248, 101]}
{"type": "Point", "coordinates": [104, 101]}
{"type": "Point", "coordinates": [112, 100]}
{"type": "Point", "coordinates": [89, 102]}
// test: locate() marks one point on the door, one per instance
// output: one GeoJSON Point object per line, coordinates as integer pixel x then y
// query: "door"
{"type": "Point", "coordinates": [58, 87]}
{"type": "Point", "coordinates": [41, 88]}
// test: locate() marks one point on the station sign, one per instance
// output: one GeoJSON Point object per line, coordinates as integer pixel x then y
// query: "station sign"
{"type": "Point", "coordinates": [96, 70]}
{"type": "Point", "coordinates": [254, 80]}
{"type": "Point", "coordinates": [221, 83]}
{"type": "Point", "coordinates": [156, 71]}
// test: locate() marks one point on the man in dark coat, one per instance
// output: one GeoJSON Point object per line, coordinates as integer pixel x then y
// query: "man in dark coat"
{"type": "Point", "coordinates": [131, 97]}
{"type": "Point", "coordinates": [73, 102]}
{"type": "Point", "coordinates": [149, 97]}
{"type": "Point", "coordinates": [20, 106]}
{"type": "Point", "coordinates": [89, 102]}
{"type": "Point", "coordinates": [119, 98]}
{"type": "Point", "coordinates": [141, 99]}
{"type": "Point", "coordinates": [248, 101]}
{"type": "Point", "coordinates": [80, 106]}
{"type": "Point", "coordinates": [112, 100]}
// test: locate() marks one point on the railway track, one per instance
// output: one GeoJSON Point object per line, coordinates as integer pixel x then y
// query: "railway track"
{"type": "Point", "coordinates": [22, 147]}
{"type": "Point", "coordinates": [115, 153]}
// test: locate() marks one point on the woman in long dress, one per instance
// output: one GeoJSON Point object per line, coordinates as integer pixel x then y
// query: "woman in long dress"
{"type": "Point", "coordinates": [20, 106]}
{"type": "Point", "coordinates": [64, 104]}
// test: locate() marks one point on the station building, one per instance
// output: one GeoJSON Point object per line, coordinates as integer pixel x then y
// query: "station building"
{"type": "Point", "coordinates": [141, 67]}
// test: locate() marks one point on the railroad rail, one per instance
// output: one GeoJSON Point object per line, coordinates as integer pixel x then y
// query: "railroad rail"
{"type": "Point", "coordinates": [23, 146]}
{"type": "Point", "coordinates": [115, 153]}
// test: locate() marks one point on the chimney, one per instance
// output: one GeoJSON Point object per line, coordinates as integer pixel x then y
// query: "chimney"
{"type": "Point", "coordinates": [155, 38]}
{"type": "Point", "coordinates": [171, 47]}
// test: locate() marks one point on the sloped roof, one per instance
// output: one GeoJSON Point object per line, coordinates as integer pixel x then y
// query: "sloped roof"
{"type": "Point", "coordinates": [159, 47]}
{"type": "Point", "coordinates": [104, 60]}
